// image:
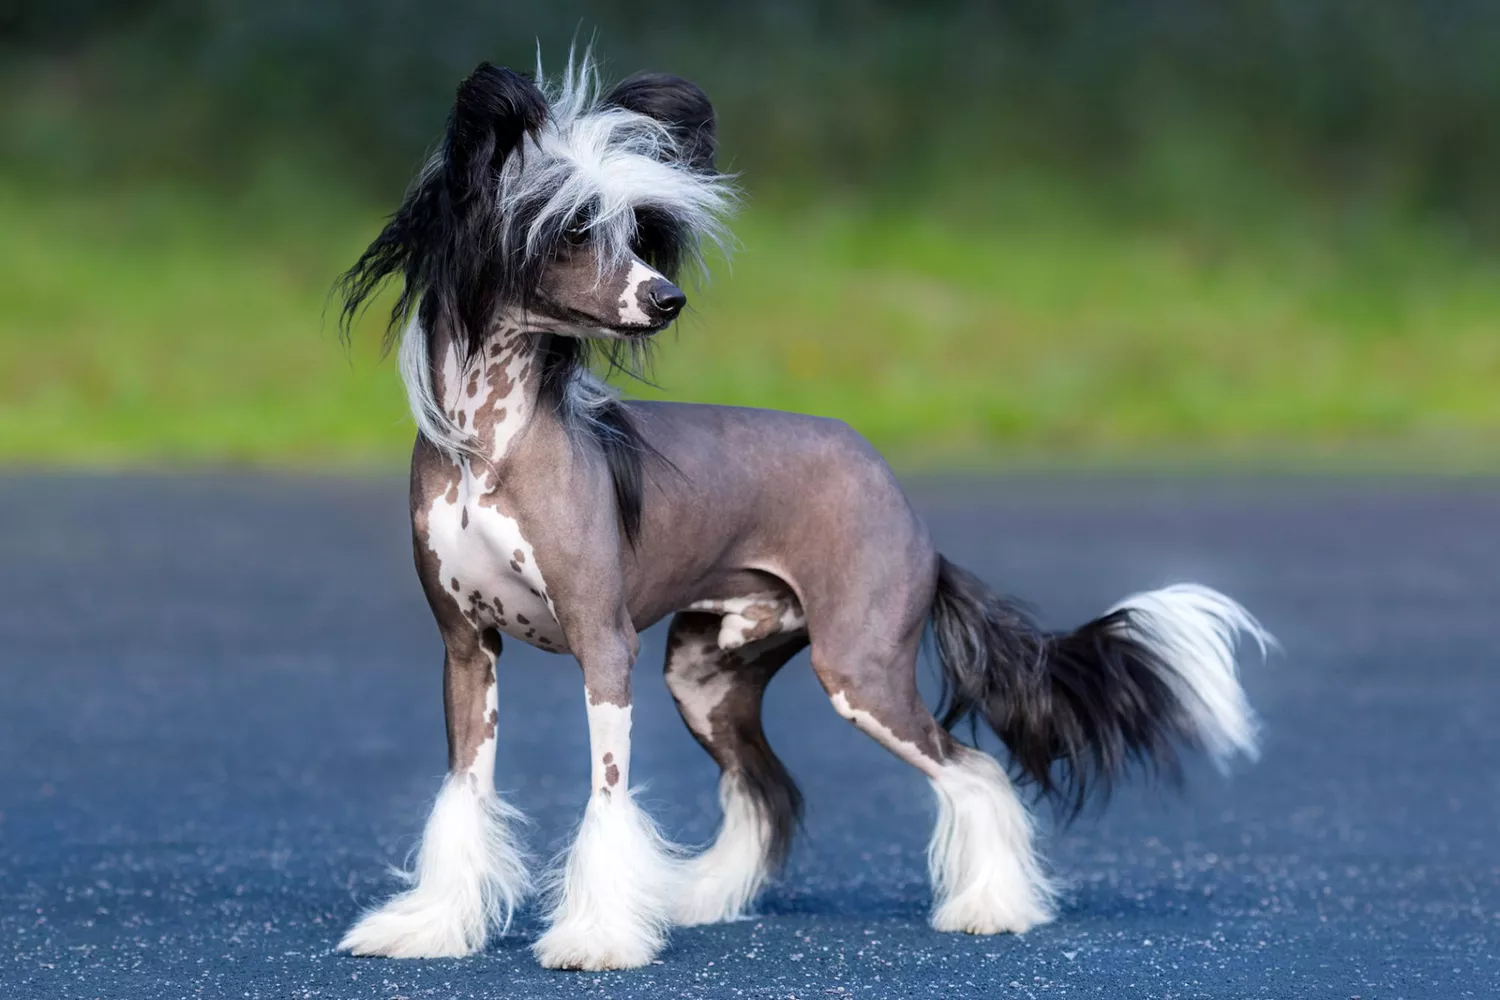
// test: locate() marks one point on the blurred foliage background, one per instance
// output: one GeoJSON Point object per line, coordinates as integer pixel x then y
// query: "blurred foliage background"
{"type": "Point", "coordinates": [1037, 230]}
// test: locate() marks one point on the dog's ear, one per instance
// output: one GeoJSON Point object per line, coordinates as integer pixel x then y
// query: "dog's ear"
{"type": "Point", "coordinates": [492, 111]}
{"type": "Point", "coordinates": [676, 103]}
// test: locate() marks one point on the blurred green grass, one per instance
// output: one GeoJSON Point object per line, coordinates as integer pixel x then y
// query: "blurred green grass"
{"type": "Point", "coordinates": [1045, 231]}
{"type": "Point", "coordinates": [161, 324]}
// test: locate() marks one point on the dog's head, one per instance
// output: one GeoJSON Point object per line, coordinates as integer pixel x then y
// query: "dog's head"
{"type": "Point", "coordinates": [557, 210]}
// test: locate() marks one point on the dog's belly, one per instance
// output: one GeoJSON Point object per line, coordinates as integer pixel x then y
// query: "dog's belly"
{"type": "Point", "coordinates": [492, 572]}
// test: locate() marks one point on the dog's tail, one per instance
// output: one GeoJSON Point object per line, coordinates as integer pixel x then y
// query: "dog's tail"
{"type": "Point", "coordinates": [1078, 710]}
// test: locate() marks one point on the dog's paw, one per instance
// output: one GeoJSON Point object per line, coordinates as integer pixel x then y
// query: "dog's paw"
{"type": "Point", "coordinates": [403, 928]}
{"type": "Point", "coordinates": [595, 948]}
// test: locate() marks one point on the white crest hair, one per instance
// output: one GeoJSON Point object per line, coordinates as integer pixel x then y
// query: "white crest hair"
{"type": "Point", "coordinates": [608, 161]}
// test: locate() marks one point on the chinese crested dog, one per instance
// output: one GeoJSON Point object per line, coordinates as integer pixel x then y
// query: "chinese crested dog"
{"type": "Point", "coordinates": [552, 225]}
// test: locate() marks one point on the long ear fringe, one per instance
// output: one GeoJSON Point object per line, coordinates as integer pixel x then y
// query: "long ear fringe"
{"type": "Point", "coordinates": [439, 240]}
{"type": "Point", "coordinates": [403, 244]}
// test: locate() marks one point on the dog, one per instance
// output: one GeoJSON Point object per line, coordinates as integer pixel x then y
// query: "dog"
{"type": "Point", "coordinates": [551, 226]}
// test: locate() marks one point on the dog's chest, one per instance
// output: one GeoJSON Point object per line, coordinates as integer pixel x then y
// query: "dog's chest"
{"type": "Point", "coordinates": [491, 569]}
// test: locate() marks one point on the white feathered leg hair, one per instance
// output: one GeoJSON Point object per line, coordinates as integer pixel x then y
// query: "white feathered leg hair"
{"type": "Point", "coordinates": [468, 878]}
{"type": "Point", "coordinates": [722, 881]}
{"type": "Point", "coordinates": [470, 873]}
{"type": "Point", "coordinates": [986, 876]}
{"type": "Point", "coordinates": [612, 898]}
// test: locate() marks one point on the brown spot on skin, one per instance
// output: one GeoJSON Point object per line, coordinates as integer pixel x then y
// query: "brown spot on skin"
{"type": "Point", "coordinates": [454, 584]}
{"type": "Point", "coordinates": [452, 495]}
{"type": "Point", "coordinates": [612, 775]}
{"type": "Point", "coordinates": [515, 567]}
{"type": "Point", "coordinates": [519, 556]}
{"type": "Point", "coordinates": [463, 418]}
{"type": "Point", "coordinates": [766, 619]}
{"type": "Point", "coordinates": [502, 383]}
{"type": "Point", "coordinates": [492, 409]}
{"type": "Point", "coordinates": [523, 619]}
{"type": "Point", "coordinates": [464, 521]}
{"type": "Point", "coordinates": [491, 718]}
{"type": "Point", "coordinates": [610, 690]}
{"type": "Point", "coordinates": [538, 593]}
{"type": "Point", "coordinates": [609, 758]}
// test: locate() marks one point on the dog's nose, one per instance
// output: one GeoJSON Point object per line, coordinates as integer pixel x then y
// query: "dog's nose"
{"type": "Point", "coordinates": [666, 298]}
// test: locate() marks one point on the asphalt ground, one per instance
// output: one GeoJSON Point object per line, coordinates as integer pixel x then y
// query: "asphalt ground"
{"type": "Point", "coordinates": [220, 721]}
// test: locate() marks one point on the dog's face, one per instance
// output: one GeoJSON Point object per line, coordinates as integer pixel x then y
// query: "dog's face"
{"type": "Point", "coordinates": [616, 192]}
{"type": "Point", "coordinates": [564, 210]}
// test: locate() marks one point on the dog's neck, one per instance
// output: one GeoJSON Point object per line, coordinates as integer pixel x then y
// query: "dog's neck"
{"type": "Point", "coordinates": [494, 397]}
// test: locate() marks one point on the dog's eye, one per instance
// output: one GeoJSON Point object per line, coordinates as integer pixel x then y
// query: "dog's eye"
{"type": "Point", "coordinates": [656, 240]}
{"type": "Point", "coordinates": [647, 234]}
{"type": "Point", "coordinates": [577, 234]}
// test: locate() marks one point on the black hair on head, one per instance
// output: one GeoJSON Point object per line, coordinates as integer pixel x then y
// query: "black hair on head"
{"type": "Point", "coordinates": [677, 103]}
{"type": "Point", "coordinates": [440, 240]}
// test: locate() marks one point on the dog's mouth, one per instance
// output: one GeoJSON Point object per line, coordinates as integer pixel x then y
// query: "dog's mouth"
{"type": "Point", "coordinates": [575, 322]}
{"type": "Point", "coordinates": [641, 332]}
{"type": "Point", "coordinates": [630, 331]}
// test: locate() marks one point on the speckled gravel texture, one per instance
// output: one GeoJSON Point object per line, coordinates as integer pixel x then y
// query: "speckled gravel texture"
{"type": "Point", "coordinates": [221, 721]}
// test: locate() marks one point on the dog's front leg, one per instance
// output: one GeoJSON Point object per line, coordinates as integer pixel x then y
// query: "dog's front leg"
{"type": "Point", "coordinates": [612, 899]}
{"type": "Point", "coordinates": [469, 873]}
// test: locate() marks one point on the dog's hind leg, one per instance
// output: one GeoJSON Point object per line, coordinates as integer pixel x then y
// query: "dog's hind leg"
{"type": "Point", "coordinates": [986, 877]}
{"type": "Point", "coordinates": [718, 691]}
{"type": "Point", "coordinates": [469, 874]}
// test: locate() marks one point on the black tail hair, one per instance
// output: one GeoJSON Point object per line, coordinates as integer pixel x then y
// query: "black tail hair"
{"type": "Point", "coordinates": [1077, 710]}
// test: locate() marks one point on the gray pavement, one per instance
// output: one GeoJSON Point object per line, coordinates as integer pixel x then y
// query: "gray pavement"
{"type": "Point", "coordinates": [220, 719]}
